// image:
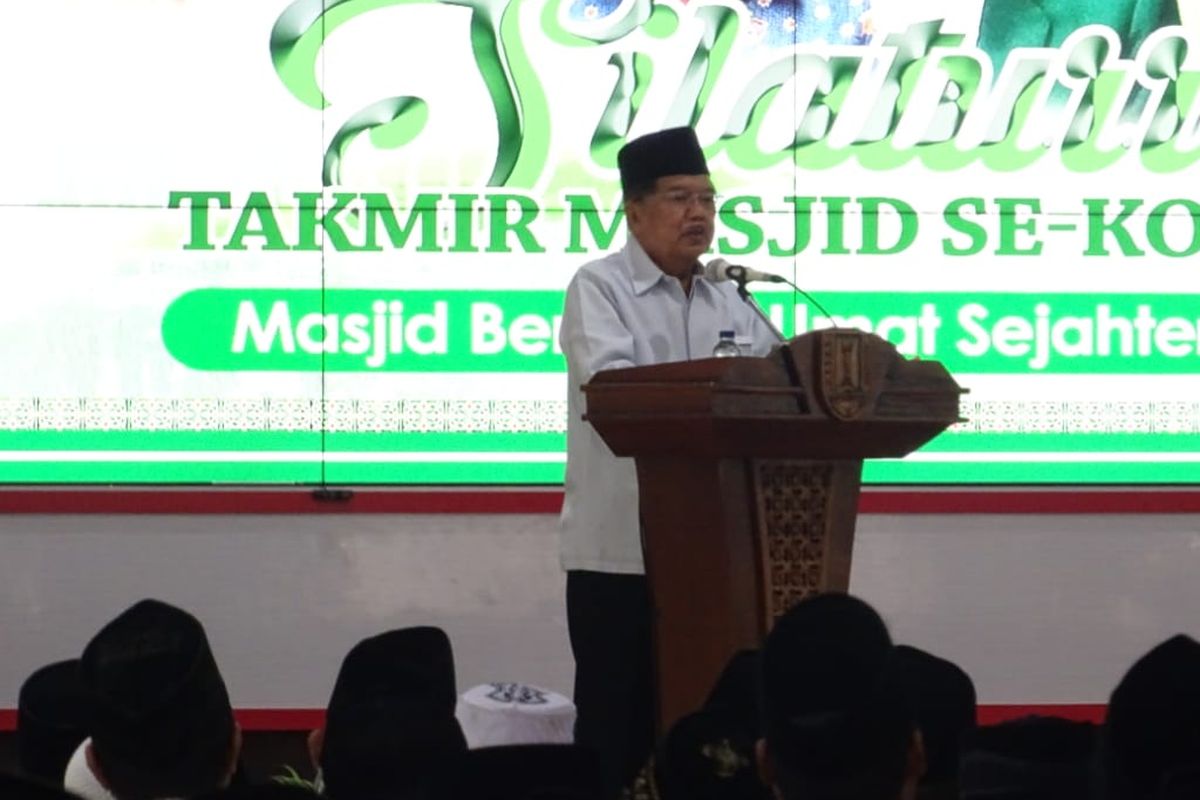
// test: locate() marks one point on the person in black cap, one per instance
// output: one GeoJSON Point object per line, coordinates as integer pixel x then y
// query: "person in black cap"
{"type": "Point", "coordinates": [645, 304]}
{"type": "Point", "coordinates": [1151, 733]}
{"type": "Point", "coordinates": [52, 715]}
{"type": "Point", "coordinates": [942, 697]}
{"type": "Point", "coordinates": [838, 724]}
{"type": "Point", "coordinates": [390, 731]}
{"type": "Point", "coordinates": [526, 772]}
{"type": "Point", "coordinates": [1030, 758]}
{"type": "Point", "coordinates": [161, 725]}
{"type": "Point", "coordinates": [709, 754]}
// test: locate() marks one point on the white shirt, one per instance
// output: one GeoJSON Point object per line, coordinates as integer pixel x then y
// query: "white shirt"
{"type": "Point", "coordinates": [79, 778]}
{"type": "Point", "coordinates": [623, 311]}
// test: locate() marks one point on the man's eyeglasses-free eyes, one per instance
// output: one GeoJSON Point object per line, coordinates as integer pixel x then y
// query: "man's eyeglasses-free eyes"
{"type": "Point", "coordinates": [683, 198]}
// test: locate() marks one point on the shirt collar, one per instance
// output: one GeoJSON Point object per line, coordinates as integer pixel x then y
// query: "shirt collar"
{"type": "Point", "coordinates": [79, 778]}
{"type": "Point", "coordinates": [643, 271]}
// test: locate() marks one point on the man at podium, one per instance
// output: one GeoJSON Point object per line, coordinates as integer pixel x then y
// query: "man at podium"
{"type": "Point", "coordinates": [647, 303]}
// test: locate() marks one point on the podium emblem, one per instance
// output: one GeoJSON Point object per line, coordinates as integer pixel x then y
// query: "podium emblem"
{"type": "Point", "coordinates": [842, 388]}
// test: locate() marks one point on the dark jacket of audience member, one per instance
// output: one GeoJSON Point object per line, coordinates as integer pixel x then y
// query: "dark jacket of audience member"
{"type": "Point", "coordinates": [1032, 758]}
{"type": "Point", "coordinates": [24, 787]}
{"type": "Point", "coordinates": [709, 754]}
{"type": "Point", "coordinates": [837, 720]}
{"type": "Point", "coordinates": [525, 772]}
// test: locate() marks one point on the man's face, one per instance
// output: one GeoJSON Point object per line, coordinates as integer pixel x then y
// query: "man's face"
{"type": "Point", "coordinates": [674, 223]}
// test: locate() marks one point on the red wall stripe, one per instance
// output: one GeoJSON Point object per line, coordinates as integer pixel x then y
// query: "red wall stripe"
{"type": "Point", "coordinates": [549, 500]}
{"type": "Point", "coordinates": [1077, 712]}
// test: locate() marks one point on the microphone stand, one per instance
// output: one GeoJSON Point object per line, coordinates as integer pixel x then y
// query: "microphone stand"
{"type": "Point", "coordinates": [748, 298]}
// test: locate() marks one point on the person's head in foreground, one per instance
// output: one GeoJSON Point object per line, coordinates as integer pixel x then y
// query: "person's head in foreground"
{"type": "Point", "coordinates": [52, 719]}
{"type": "Point", "coordinates": [838, 725]}
{"type": "Point", "coordinates": [162, 725]}
{"type": "Point", "coordinates": [1150, 741]}
{"type": "Point", "coordinates": [390, 731]}
{"type": "Point", "coordinates": [943, 703]}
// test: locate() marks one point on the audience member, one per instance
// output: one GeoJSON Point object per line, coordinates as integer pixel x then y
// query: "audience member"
{"type": "Point", "coordinates": [262, 791]}
{"type": "Point", "coordinates": [1152, 729]}
{"type": "Point", "coordinates": [24, 787]}
{"type": "Point", "coordinates": [495, 714]}
{"type": "Point", "coordinates": [80, 778]}
{"type": "Point", "coordinates": [942, 697]}
{"type": "Point", "coordinates": [52, 715]}
{"type": "Point", "coordinates": [837, 722]}
{"type": "Point", "coordinates": [830, 710]}
{"type": "Point", "coordinates": [709, 754]}
{"type": "Point", "coordinates": [161, 723]}
{"type": "Point", "coordinates": [390, 731]}
{"type": "Point", "coordinates": [527, 772]}
{"type": "Point", "coordinates": [1032, 758]}
{"type": "Point", "coordinates": [1181, 784]}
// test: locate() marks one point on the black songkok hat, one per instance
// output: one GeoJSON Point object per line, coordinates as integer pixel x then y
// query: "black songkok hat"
{"type": "Point", "coordinates": [675, 151]}
{"type": "Point", "coordinates": [415, 663]}
{"type": "Point", "coordinates": [52, 717]}
{"type": "Point", "coordinates": [709, 754]}
{"type": "Point", "coordinates": [1031, 758]}
{"type": "Point", "coordinates": [388, 747]}
{"type": "Point", "coordinates": [833, 703]}
{"type": "Point", "coordinates": [528, 772]}
{"type": "Point", "coordinates": [158, 701]}
{"type": "Point", "coordinates": [706, 755]}
{"type": "Point", "coordinates": [738, 689]}
{"type": "Point", "coordinates": [942, 697]}
{"type": "Point", "coordinates": [390, 726]}
{"type": "Point", "coordinates": [1153, 722]}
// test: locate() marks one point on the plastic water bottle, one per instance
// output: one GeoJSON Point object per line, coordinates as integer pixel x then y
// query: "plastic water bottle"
{"type": "Point", "coordinates": [727, 346]}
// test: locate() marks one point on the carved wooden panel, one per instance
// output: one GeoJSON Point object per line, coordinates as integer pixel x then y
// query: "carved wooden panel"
{"type": "Point", "coordinates": [792, 498]}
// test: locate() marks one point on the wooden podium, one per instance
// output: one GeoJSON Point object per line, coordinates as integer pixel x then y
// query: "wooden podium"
{"type": "Point", "coordinates": [748, 474]}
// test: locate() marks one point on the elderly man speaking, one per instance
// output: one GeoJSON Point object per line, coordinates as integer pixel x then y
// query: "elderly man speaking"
{"type": "Point", "coordinates": [648, 303]}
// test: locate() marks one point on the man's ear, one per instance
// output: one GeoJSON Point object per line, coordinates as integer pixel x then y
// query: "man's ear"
{"type": "Point", "coordinates": [316, 742]}
{"type": "Point", "coordinates": [93, 763]}
{"type": "Point", "coordinates": [633, 212]}
{"type": "Point", "coordinates": [762, 758]}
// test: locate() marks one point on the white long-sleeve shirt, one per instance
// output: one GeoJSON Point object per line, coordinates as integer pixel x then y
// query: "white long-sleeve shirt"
{"type": "Point", "coordinates": [623, 311]}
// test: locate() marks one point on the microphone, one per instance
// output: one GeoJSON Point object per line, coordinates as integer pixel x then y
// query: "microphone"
{"type": "Point", "coordinates": [718, 269]}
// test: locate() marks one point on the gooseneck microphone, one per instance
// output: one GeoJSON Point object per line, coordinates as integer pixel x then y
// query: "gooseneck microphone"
{"type": "Point", "coordinates": [718, 269]}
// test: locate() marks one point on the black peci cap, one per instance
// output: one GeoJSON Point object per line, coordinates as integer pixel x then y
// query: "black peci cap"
{"type": "Point", "coordinates": [159, 705]}
{"type": "Point", "coordinates": [675, 151]}
{"type": "Point", "coordinates": [52, 719]}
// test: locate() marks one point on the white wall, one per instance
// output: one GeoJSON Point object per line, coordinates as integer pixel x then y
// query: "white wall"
{"type": "Point", "coordinates": [1038, 609]}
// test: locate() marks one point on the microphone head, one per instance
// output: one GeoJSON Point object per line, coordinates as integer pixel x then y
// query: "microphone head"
{"type": "Point", "coordinates": [717, 269]}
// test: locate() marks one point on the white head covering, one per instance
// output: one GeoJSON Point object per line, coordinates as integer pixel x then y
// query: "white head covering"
{"type": "Point", "coordinates": [80, 779]}
{"type": "Point", "coordinates": [493, 714]}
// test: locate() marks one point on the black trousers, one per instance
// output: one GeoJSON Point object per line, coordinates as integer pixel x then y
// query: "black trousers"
{"type": "Point", "coordinates": [608, 616]}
